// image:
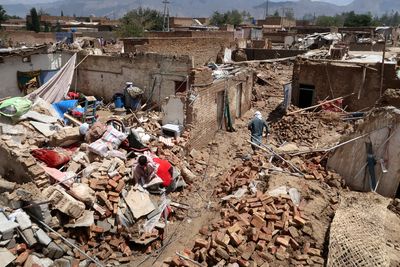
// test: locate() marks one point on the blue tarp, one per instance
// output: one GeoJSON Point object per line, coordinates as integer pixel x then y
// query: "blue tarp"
{"type": "Point", "coordinates": [67, 36]}
{"type": "Point", "coordinates": [63, 106]}
{"type": "Point", "coordinates": [46, 75]}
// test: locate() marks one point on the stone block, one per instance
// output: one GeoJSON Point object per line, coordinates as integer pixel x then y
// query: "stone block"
{"type": "Point", "coordinates": [64, 202]}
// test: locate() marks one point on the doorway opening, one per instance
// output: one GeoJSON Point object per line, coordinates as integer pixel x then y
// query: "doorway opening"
{"type": "Point", "coordinates": [239, 91]}
{"type": "Point", "coordinates": [306, 95]}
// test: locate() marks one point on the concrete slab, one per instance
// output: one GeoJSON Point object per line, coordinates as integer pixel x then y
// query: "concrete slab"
{"type": "Point", "coordinates": [6, 257]}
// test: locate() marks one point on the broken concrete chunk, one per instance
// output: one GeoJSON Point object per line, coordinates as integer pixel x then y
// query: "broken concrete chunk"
{"type": "Point", "coordinates": [43, 238]}
{"type": "Point", "coordinates": [34, 260]}
{"type": "Point", "coordinates": [139, 202]}
{"type": "Point", "coordinates": [53, 251]}
{"type": "Point", "coordinates": [6, 257]}
{"type": "Point", "coordinates": [65, 137]}
{"type": "Point", "coordinates": [23, 220]}
{"type": "Point", "coordinates": [83, 193]}
{"type": "Point", "coordinates": [86, 220]}
{"type": "Point", "coordinates": [64, 202]}
{"type": "Point", "coordinates": [6, 186]}
{"type": "Point", "coordinates": [29, 237]}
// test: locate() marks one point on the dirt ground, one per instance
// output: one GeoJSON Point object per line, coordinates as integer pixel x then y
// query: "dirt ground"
{"type": "Point", "coordinates": [228, 150]}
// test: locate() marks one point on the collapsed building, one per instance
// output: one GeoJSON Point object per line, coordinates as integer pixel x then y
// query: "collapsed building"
{"type": "Point", "coordinates": [275, 207]}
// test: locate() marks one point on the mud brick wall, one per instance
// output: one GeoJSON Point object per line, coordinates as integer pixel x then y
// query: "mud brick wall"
{"type": "Point", "coordinates": [28, 37]}
{"type": "Point", "coordinates": [344, 79]}
{"type": "Point", "coordinates": [262, 54]}
{"type": "Point", "coordinates": [104, 76]}
{"type": "Point", "coordinates": [203, 114]}
{"type": "Point", "coordinates": [201, 49]}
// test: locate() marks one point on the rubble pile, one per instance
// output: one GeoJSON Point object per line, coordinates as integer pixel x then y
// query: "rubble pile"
{"type": "Point", "coordinates": [307, 127]}
{"type": "Point", "coordinates": [87, 210]}
{"type": "Point", "coordinates": [256, 227]}
{"type": "Point", "coordinates": [270, 79]}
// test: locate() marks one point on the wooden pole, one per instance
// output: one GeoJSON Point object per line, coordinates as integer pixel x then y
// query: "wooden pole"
{"type": "Point", "coordinates": [383, 67]}
{"type": "Point", "coordinates": [315, 106]}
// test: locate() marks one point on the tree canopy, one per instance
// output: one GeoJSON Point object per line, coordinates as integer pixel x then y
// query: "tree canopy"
{"type": "Point", "coordinates": [139, 20]}
{"type": "Point", "coordinates": [351, 19]}
{"type": "Point", "coordinates": [3, 14]}
{"type": "Point", "coordinates": [233, 17]}
{"type": "Point", "coordinates": [33, 24]}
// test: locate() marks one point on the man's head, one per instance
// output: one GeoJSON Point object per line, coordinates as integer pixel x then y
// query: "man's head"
{"type": "Point", "coordinates": [142, 161]}
{"type": "Point", "coordinates": [258, 115]}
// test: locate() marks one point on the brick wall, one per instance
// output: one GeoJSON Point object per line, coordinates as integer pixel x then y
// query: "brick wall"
{"type": "Point", "coordinates": [28, 37]}
{"type": "Point", "coordinates": [262, 54]}
{"type": "Point", "coordinates": [202, 49]}
{"type": "Point", "coordinates": [203, 114]}
{"type": "Point", "coordinates": [344, 79]}
{"type": "Point", "coordinates": [104, 76]}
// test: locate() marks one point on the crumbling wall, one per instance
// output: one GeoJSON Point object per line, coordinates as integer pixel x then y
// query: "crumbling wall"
{"type": "Point", "coordinates": [342, 79]}
{"type": "Point", "coordinates": [29, 37]}
{"type": "Point", "coordinates": [104, 76]}
{"type": "Point", "coordinates": [12, 64]}
{"type": "Point", "coordinates": [202, 113]}
{"type": "Point", "coordinates": [382, 128]}
{"type": "Point", "coordinates": [202, 49]}
{"type": "Point", "coordinates": [262, 54]}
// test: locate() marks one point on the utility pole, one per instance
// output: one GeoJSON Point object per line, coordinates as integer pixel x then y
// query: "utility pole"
{"type": "Point", "coordinates": [166, 15]}
{"type": "Point", "coordinates": [266, 8]}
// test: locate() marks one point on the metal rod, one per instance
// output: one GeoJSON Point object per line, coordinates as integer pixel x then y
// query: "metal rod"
{"type": "Point", "coordinates": [66, 241]}
{"type": "Point", "coordinates": [267, 149]}
{"type": "Point", "coordinates": [188, 259]}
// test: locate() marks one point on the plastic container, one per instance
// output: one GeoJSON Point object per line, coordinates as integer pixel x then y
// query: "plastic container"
{"type": "Point", "coordinates": [119, 100]}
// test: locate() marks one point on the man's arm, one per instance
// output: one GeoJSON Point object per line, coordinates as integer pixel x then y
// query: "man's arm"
{"type": "Point", "coordinates": [266, 127]}
{"type": "Point", "coordinates": [250, 125]}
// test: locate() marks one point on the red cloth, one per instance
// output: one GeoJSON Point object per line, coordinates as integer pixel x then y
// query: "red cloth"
{"type": "Point", "coordinates": [52, 158]}
{"type": "Point", "coordinates": [163, 171]}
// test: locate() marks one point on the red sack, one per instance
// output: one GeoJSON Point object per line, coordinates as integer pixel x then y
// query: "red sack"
{"type": "Point", "coordinates": [163, 171]}
{"type": "Point", "coordinates": [52, 158]}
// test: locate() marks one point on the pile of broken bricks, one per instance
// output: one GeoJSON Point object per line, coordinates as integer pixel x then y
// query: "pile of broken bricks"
{"type": "Point", "coordinates": [255, 229]}
{"type": "Point", "coordinates": [306, 128]}
{"type": "Point", "coordinates": [254, 232]}
{"type": "Point", "coordinates": [96, 210]}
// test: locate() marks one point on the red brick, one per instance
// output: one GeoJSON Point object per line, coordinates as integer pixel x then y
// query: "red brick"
{"type": "Point", "coordinates": [299, 220]}
{"type": "Point", "coordinates": [22, 258]}
{"type": "Point", "coordinates": [283, 240]}
{"type": "Point", "coordinates": [201, 243]}
{"type": "Point", "coordinates": [257, 221]}
{"type": "Point", "coordinates": [121, 185]}
{"type": "Point", "coordinates": [112, 183]}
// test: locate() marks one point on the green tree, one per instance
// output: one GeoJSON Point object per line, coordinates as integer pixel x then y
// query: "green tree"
{"type": "Point", "coordinates": [139, 20]}
{"type": "Point", "coordinates": [46, 27]}
{"type": "Point", "coordinates": [357, 20]}
{"type": "Point", "coordinates": [233, 17]}
{"type": "Point", "coordinates": [33, 24]}
{"type": "Point", "coordinates": [276, 13]}
{"type": "Point", "coordinates": [329, 21]}
{"type": "Point", "coordinates": [3, 14]}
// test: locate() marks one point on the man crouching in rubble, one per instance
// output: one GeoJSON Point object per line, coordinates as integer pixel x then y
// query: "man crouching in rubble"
{"type": "Point", "coordinates": [151, 173]}
{"type": "Point", "coordinates": [256, 126]}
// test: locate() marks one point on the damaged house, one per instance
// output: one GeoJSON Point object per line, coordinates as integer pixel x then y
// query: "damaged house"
{"type": "Point", "coordinates": [198, 98]}
{"type": "Point", "coordinates": [360, 77]}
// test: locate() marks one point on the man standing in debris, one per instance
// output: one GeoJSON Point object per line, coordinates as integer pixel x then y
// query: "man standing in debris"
{"type": "Point", "coordinates": [257, 126]}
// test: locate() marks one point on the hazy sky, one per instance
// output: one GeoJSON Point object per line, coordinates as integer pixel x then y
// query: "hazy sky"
{"type": "Point", "coordinates": [338, 2]}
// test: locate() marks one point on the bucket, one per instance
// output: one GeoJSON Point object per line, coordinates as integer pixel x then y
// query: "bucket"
{"type": "Point", "coordinates": [118, 100]}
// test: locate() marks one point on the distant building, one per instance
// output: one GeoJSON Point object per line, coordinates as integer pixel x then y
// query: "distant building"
{"type": "Point", "coordinates": [281, 22]}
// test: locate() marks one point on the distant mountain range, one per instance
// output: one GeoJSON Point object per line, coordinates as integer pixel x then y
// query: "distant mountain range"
{"type": "Point", "coordinates": [200, 8]}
